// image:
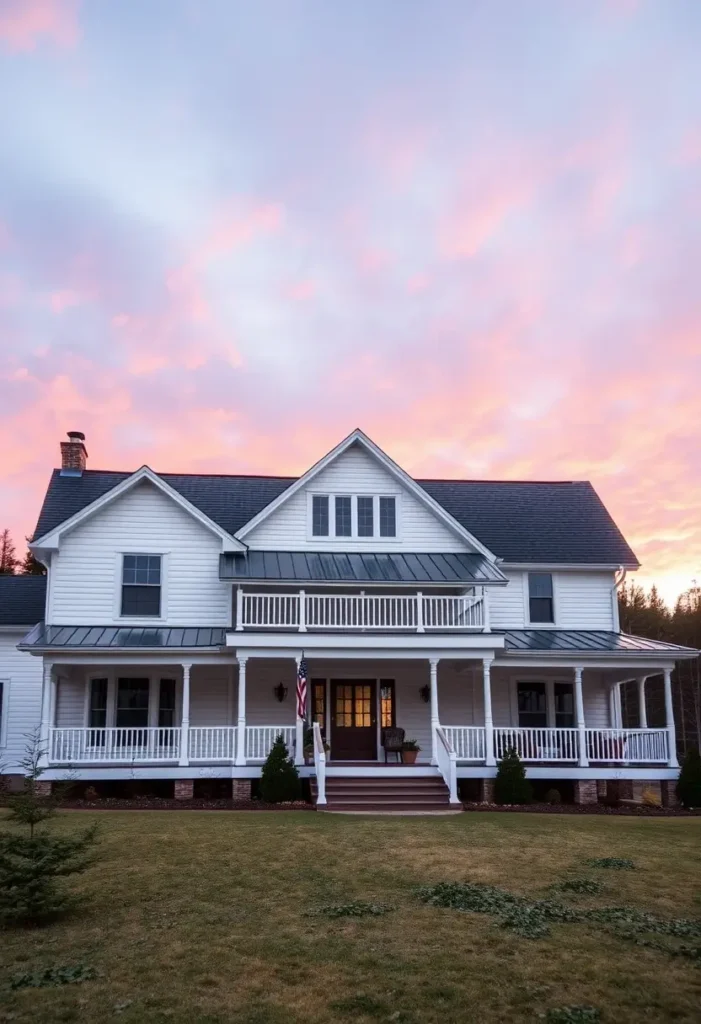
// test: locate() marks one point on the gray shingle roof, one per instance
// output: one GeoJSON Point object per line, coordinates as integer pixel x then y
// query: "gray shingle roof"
{"type": "Point", "coordinates": [563, 523]}
{"type": "Point", "coordinates": [359, 567]}
{"type": "Point", "coordinates": [22, 600]}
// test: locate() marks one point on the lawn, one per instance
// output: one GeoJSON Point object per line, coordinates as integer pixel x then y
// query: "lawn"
{"type": "Point", "coordinates": [200, 917]}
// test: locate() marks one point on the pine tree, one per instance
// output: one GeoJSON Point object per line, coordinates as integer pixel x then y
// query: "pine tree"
{"type": "Point", "coordinates": [33, 866]}
{"type": "Point", "coordinates": [30, 566]}
{"type": "Point", "coordinates": [511, 785]}
{"type": "Point", "coordinates": [8, 556]}
{"type": "Point", "coordinates": [279, 781]}
{"type": "Point", "coordinates": [689, 784]}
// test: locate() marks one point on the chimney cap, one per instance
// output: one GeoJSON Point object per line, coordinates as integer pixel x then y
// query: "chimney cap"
{"type": "Point", "coordinates": [76, 435]}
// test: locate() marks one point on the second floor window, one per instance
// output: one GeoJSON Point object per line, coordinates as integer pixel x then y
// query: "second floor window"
{"type": "Point", "coordinates": [353, 515]}
{"type": "Point", "coordinates": [141, 585]}
{"type": "Point", "coordinates": [540, 597]}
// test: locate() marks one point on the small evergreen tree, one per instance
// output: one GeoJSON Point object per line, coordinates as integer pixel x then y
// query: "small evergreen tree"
{"type": "Point", "coordinates": [511, 785]}
{"type": "Point", "coordinates": [32, 866]}
{"type": "Point", "coordinates": [30, 566]}
{"type": "Point", "coordinates": [689, 785]}
{"type": "Point", "coordinates": [8, 555]}
{"type": "Point", "coordinates": [279, 781]}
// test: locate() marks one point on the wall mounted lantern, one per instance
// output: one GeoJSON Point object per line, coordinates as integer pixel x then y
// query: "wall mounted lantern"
{"type": "Point", "coordinates": [425, 693]}
{"type": "Point", "coordinates": [280, 692]}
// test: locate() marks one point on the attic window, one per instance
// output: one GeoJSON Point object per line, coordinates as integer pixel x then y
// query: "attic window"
{"type": "Point", "coordinates": [359, 516]}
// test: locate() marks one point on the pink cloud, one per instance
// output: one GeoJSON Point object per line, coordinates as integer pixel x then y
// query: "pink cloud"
{"type": "Point", "coordinates": [301, 291]}
{"type": "Point", "coordinates": [64, 299]}
{"type": "Point", "coordinates": [25, 23]}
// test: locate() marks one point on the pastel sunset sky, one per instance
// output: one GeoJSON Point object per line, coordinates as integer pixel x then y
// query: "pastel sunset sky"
{"type": "Point", "coordinates": [230, 232]}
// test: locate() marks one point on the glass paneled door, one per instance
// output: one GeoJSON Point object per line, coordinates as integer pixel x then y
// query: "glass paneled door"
{"type": "Point", "coordinates": [353, 720]}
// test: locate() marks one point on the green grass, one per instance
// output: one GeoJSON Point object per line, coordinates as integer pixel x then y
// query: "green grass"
{"type": "Point", "coordinates": [198, 917]}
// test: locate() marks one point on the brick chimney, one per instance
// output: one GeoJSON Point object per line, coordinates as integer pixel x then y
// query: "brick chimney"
{"type": "Point", "coordinates": [74, 455]}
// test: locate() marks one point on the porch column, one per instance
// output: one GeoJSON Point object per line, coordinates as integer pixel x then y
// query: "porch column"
{"type": "Point", "coordinates": [669, 716]}
{"type": "Point", "coordinates": [641, 702]}
{"type": "Point", "coordinates": [435, 720]}
{"type": "Point", "coordinates": [185, 719]}
{"type": "Point", "coordinates": [579, 703]}
{"type": "Point", "coordinates": [46, 701]}
{"type": "Point", "coordinates": [489, 759]}
{"type": "Point", "coordinates": [299, 722]}
{"type": "Point", "coordinates": [617, 705]}
{"type": "Point", "coordinates": [612, 707]}
{"type": "Point", "coordinates": [241, 721]}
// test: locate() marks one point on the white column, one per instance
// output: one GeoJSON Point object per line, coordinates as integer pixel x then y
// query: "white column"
{"type": "Point", "coordinates": [241, 721]}
{"type": "Point", "coordinates": [669, 715]}
{"type": "Point", "coordinates": [419, 612]}
{"type": "Point", "coordinates": [185, 719]}
{"type": "Point", "coordinates": [641, 702]}
{"type": "Point", "coordinates": [617, 705]}
{"type": "Point", "coordinates": [302, 612]}
{"type": "Point", "coordinates": [299, 722]}
{"type": "Point", "coordinates": [579, 704]}
{"type": "Point", "coordinates": [239, 610]}
{"type": "Point", "coordinates": [612, 707]}
{"type": "Point", "coordinates": [490, 760]}
{"type": "Point", "coordinates": [46, 697]}
{"type": "Point", "coordinates": [485, 610]}
{"type": "Point", "coordinates": [435, 720]}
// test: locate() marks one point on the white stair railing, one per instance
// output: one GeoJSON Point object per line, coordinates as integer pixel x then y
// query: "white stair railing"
{"type": "Point", "coordinates": [447, 763]}
{"type": "Point", "coordinates": [319, 764]}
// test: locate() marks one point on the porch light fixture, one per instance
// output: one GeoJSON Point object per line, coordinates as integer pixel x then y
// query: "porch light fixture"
{"type": "Point", "coordinates": [280, 692]}
{"type": "Point", "coordinates": [425, 693]}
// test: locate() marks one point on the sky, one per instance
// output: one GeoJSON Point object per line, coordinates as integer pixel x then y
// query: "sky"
{"type": "Point", "coordinates": [232, 232]}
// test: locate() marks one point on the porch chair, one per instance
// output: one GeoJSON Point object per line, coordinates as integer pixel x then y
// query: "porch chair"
{"type": "Point", "coordinates": [393, 742]}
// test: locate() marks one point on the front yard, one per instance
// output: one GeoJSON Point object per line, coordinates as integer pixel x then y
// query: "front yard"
{"type": "Point", "coordinates": [200, 917]}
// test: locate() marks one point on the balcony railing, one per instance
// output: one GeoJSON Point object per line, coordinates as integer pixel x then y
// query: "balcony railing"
{"type": "Point", "coordinates": [415, 613]}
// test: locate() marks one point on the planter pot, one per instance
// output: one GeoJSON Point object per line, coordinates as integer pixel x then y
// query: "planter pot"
{"type": "Point", "coordinates": [409, 756]}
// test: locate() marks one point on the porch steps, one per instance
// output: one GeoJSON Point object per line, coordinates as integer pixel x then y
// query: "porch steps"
{"type": "Point", "coordinates": [397, 795]}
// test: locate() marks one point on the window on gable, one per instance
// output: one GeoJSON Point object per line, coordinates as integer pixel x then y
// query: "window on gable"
{"type": "Point", "coordinates": [320, 515]}
{"type": "Point", "coordinates": [366, 526]}
{"type": "Point", "coordinates": [141, 585]}
{"type": "Point", "coordinates": [388, 517]}
{"type": "Point", "coordinates": [540, 597]}
{"type": "Point", "coordinates": [344, 522]}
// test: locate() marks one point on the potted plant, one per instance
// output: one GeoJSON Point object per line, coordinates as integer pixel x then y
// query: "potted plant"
{"type": "Point", "coordinates": [410, 750]}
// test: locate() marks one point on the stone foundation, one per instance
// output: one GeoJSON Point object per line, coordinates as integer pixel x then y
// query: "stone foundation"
{"type": "Point", "coordinates": [601, 789]}
{"type": "Point", "coordinates": [241, 789]}
{"type": "Point", "coordinates": [668, 794]}
{"type": "Point", "coordinates": [586, 791]}
{"type": "Point", "coordinates": [183, 789]}
{"type": "Point", "coordinates": [487, 791]}
{"type": "Point", "coordinates": [43, 788]}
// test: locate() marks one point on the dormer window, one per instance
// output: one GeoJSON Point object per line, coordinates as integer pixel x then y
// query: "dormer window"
{"type": "Point", "coordinates": [358, 516]}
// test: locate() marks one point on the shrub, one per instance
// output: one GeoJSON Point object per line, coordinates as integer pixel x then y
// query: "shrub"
{"type": "Point", "coordinates": [511, 785]}
{"type": "Point", "coordinates": [279, 781]}
{"type": "Point", "coordinates": [553, 796]}
{"type": "Point", "coordinates": [650, 798]}
{"type": "Point", "coordinates": [33, 866]}
{"type": "Point", "coordinates": [689, 785]}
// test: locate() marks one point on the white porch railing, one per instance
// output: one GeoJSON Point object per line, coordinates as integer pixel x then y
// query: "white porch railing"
{"type": "Point", "coordinates": [212, 743]}
{"type": "Point", "coordinates": [447, 763]}
{"type": "Point", "coordinates": [467, 741]}
{"type": "Point", "coordinates": [260, 739]}
{"type": "Point", "coordinates": [410, 612]}
{"type": "Point", "coordinates": [537, 744]}
{"type": "Point", "coordinates": [628, 745]}
{"type": "Point", "coordinates": [319, 764]}
{"type": "Point", "coordinates": [117, 745]}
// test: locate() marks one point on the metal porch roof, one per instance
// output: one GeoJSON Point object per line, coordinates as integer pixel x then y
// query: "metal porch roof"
{"type": "Point", "coordinates": [591, 641]}
{"type": "Point", "coordinates": [359, 567]}
{"type": "Point", "coordinates": [130, 637]}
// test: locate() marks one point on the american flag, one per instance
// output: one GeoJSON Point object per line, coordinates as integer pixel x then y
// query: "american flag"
{"type": "Point", "coordinates": [302, 689]}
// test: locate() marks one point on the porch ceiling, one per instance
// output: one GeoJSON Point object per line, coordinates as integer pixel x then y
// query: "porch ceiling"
{"type": "Point", "coordinates": [359, 567]}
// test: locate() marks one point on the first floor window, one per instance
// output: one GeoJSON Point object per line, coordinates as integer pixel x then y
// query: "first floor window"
{"type": "Point", "coordinates": [387, 708]}
{"type": "Point", "coordinates": [564, 706]}
{"type": "Point", "coordinates": [97, 711]}
{"type": "Point", "coordinates": [132, 703]}
{"type": "Point", "coordinates": [532, 706]}
{"type": "Point", "coordinates": [141, 585]}
{"type": "Point", "coordinates": [319, 703]}
{"type": "Point", "coordinates": [320, 515]}
{"type": "Point", "coordinates": [166, 704]}
{"type": "Point", "coordinates": [540, 597]}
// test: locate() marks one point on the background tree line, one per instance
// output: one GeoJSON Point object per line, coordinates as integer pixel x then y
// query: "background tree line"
{"type": "Point", "coordinates": [11, 565]}
{"type": "Point", "coordinates": [644, 613]}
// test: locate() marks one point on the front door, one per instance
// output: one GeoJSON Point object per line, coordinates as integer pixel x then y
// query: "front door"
{"type": "Point", "coordinates": [353, 720]}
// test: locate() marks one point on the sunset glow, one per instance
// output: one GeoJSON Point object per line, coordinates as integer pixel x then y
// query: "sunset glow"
{"type": "Point", "coordinates": [231, 232]}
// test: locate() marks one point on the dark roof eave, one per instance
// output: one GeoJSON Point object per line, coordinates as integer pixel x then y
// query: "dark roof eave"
{"type": "Point", "coordinates": [299, 583]}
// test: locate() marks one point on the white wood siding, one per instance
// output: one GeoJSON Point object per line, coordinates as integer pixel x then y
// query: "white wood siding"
{"type": "Point", "coordinates": [355, 472]}
{"type": "Point", "coordinates": [86, 571]}
{"type": "Point", "coordinates": [582, 601]}
{"type": "Point", "coordinates": [22, 677]}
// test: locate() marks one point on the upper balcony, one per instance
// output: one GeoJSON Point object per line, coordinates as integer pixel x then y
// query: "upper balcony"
{"type": "Point", "coordinates": [359, 612]}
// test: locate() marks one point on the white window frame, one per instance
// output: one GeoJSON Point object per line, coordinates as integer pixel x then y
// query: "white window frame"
{"type": "Point", "coordinates": [331, 536]}
{"type": "Point", "coordinates": [549, 698]}
{"type": "Point", "coordinates": [119, 567]}
{"type": "Point", "coordinates": [134, 672]}
{"type": "Point", "coordinates": [527, 599]}
{"type": "Point", "coordinates": [5, 711]}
